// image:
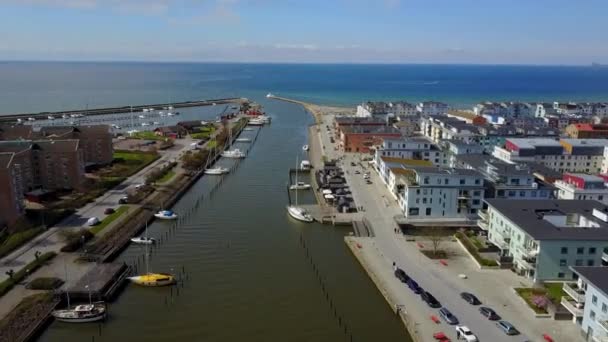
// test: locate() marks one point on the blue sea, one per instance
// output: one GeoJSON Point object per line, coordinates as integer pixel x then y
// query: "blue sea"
{"type": "Point", "coordinates": [50, 86]}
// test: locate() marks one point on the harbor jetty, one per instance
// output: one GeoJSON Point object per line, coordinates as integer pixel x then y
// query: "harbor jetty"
{"type": "Point", "coordinates": [122, 109]}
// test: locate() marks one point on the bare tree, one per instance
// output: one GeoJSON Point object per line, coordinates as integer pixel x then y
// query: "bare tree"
{"type": "Point", "coordinates": [435, 237]}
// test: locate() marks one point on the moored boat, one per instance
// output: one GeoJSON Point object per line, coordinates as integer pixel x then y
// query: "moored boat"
{"type": "Point", "coordinates": [299, 213]}
{"type": "Point", "coordinates": [153, 279]}
{"type": "Point", "coordinates": [217, 171]}
{"type": "Point", "coordinates": [305, 148]}
{"type": "Point", "coordinates": [300, 186]}
{"type": "Point", "coordinates": [82, 313]}
{"type": "Point", "coordinates": [166, 215]}
{"type": "Point", "coordinates": [143, 240]}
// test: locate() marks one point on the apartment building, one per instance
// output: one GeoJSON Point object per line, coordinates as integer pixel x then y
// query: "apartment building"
{"type": "Point", "coordinates": [370, 109]}
{"type": "Point", "coordinates": [16, 132]}
{"type": "Point", "coordinates": [432, 108]}
{"type": "Point", "coordinates": [390, 167]}
{"type": "Point", "coordinates": [567, 108]}
{"type": "Point", "coordinates": [565, 155]}
{"type": "Point", "coordinates": [47, 164]}
{"type": "Point", "coordinates": [441, 127]}
{"type": "Point", "coordinates": [587, 301]}
{"type": "Point", "coordinates": [547, 237]}
{"type": "Point", "coordinates": [362, 138]}
{"type": "Point", "coordinates": [402, 108]}
{"type": "Point", "coordinates": [95, 141]}
{"type": "Point", "coordinates": [544, 109]}
{"type": "Point", "coordinates": [431, 195]}
{"type": "Point", "coordinates": [411, 148]}
{"type": "Point", "coordinates": [578, 186]}
{"type": "Point", "coordinates": [587, 131]}
{"type": "Point", "coordinates": [504, 180]}
{"type": "Point", "coordinates": [11, 191]}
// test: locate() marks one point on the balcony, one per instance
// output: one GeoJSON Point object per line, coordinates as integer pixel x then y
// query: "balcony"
{"type": "Point", "coordinates": [605, 255]}
{"type": "Point", "coordinates": [599, 338]}
{"type": "Point", "coordinates": [576, 309]}
{"type": "Point", "coordinates": [527, 252]}
{"type": "Point", "coordinates": [483, 214]}
{"type": "Point", "coordinates": [527, 263]}
{"type": "Point", "coordinates": [604, 324]}
{"type": "Point", "coordinates": [483, 224]}
{"type": "Point", "coordinates": [577, 294]}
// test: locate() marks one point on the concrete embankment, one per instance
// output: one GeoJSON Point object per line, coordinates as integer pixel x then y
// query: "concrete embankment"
{"type": "Point", "coordinates": [361, 249]}
{"type": "Point", "coordinates": [123, 109]}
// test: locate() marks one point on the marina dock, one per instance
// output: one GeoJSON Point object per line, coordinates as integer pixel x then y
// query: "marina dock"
{"type": "Point", "coordinates": [122, 109]}
{"type": "Point", "coordinates": [102, 282]}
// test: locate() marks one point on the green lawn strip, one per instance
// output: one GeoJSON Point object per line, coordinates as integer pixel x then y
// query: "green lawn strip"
{"type": "Point", "coordinates": [555, 291]}
{"type": "Point", "coordinates": [109, 219]}
{"type": "Point", "coordinates": [16, 240]}
{"type": "Point", "coordinates": [146, 135]}
{"type": "Point", "coordinates": [167, 177]}
{"type": "Point", "coordinates": [470, 246]}
{"type": "Point", "coordinates": [8, 284]}
{"type": "Point", "coordinates": [132, 162]}
{"type": "Point", "coordinates": [528, 295]}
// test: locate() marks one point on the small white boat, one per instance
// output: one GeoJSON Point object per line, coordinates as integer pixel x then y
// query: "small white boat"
{"type": "Point", "coordinates": [31, 119]}
{"type": "Point", "coordinates": [305, 148]}
{"type": "Point", "coordinates": [300, 186]}
{"type": "Point", "coordinates": [256, 122]}
{"type": "Point", "coordinates": [248, 129]}
{"type": "Point", "coordinates": [269, 95]}
{"type": "Point", "coordinates": [142, 116]}
{"type": "Point", "coordinates": [170, 108]}
{"type": "Point", "coordinates": [170, 114]}
{"type": "Point", "coordinates": [65, 116]}
{"type": "Point", "coordinates": [19, 120]}
{"type": "Point", "coordinates": [145, 110]}
{"type": "Point", "coordinates": [305, 165]}
{"type": "Point", "coordinates": [166, 215]}
{"type": "Point", "coordinates": [217, 171]}
{"type": "Point", "coordinates": [73, 115]}
{"type": "Point", "coordinates": [234, 153]}
{"type": "Point", "coordinates": [50, 117]}
{"type": "Point", "coordinates": [142, 240]}
{"type": "Point", "coordinates": [299, 213]}
{"type": "Point", "coordinates": [214, 104]}
{"type": "Point", "coordinates": [156, 123]}
{"type": "Point", "coordinates": [82, 313]}
{"type": "Point", "coordinates": [243, 140]}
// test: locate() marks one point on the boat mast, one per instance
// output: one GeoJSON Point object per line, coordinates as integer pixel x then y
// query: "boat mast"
{"type": "Point", "coordinates": [67, 293]}
{"type": "Point", "coordinates": [296, 181]}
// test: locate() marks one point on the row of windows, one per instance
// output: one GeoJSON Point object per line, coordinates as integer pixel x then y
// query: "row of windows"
{"type": "Point", "coordinates": [578, 262]}
{"type": "Point", "coordinates": [446, 181]}
{"type": "Point", "coordinates": [579, 250]}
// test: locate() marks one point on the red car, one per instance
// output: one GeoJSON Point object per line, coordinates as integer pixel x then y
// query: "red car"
{"type": "Point", "coordinates": [440, 336]}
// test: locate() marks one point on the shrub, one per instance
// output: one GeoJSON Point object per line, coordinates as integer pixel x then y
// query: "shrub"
{"type": "Point", "coordinates": [15, 240]}
{"type": "Point", "coordinates": [45, 284]}
{"type": "Point", "coordinates": [74, 240]}
{"type": "Point", "coordinates": [471, 248]}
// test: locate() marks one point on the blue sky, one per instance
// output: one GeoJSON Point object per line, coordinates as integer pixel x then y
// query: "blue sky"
{"type": "Point", "coordinates": [352, 31]}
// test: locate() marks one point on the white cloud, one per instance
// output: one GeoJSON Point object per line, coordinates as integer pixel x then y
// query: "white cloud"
{"type": "Point", "coordinates": [308, 47]}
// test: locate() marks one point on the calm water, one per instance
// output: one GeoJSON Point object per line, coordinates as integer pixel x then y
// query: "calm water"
{"type": "Point", "coordinates": [39, 86]}
{"type": "Point", "coordinates": [249, 278]}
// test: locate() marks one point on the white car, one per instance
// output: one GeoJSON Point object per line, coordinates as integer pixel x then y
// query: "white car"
{"type": "Point", "coordinates": [465, 333]}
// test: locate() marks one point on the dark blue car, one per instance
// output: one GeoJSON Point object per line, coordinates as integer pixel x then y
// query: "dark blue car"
{"type": "Point", "coordinates": [414, 286]}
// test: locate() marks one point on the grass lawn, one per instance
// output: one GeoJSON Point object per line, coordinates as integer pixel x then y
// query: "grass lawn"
{"type": "Point", "coordinates": [555, 291]}
{"type": "Point", "coordinates": [146, 135]}
{"type": "Point", "coordinates": [167, 177]}
{"type": "Point", "coordinates": [528, 295]}
{"type": "Point", "coordinates": [8, 284]}
{"type": "Point", "coordinates": [109, 219]}
{"type": "Point", "coordinates": [129, 156]}
{"type": "Point", "coordinates": [211, 143]}
{"type": "Point", "coordinates": [16, 240]}
{"type": "Point", "coordinates": [127, 163]}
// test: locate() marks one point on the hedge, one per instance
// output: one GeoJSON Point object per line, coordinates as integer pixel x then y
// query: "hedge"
{"type": "Point", "coordinates": [74, 241]}
{"type": "Point", "coordinates": [471, 248]}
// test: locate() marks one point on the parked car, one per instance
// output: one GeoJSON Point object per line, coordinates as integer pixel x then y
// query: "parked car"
{"type": "Point", "coordinates": [447, 316]}
{"type": "Point", "coordinates": [92, 221]}
{"type": "Point", "coordinates": [470, 298]}
{"type": "Point", "coordinates": [123, 200]}
{"type": "Point", "coordinates": [489, 313]}
{"type": "Point", "coordinates": [401, 275]}
{"type": "Point", "coordinates": [353, 164]}
{"type": "Point", "coordinates": [108, 211]}
{"type": "Point", "coordinates": [465, 333]}
{"type": "Point", "coordinates": [429, 299]}
{"type": "Point", "coordinates": [414, 286]}
{"type": "Point", "coordinates": [357, 172]}
{"type": "Point", "coordinates": [368, 181]}
{"type": "Point", "coordinates": [507, 327]}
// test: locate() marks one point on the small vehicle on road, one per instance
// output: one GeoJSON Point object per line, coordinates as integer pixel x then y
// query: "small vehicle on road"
{"type": "Point", "coordinates": [401, 275]}
{"type": "Point", "coordinates": [413, 285]}
{"type": "Point", "coordinates": [353, 164]}
{"type": "Point", "coordinates": [507, 327]}
{"type": "Point", "coordinates": [357, 172]}
{"type": "Point", "coordinates": [441, 337]}
{"type": "Point", "coordinates": [463, 332]}
{"type": "Point", "coordinates": [123, 200]}
{"type": "Point", "coordinates": [489, 313]}
{"type": "Point", "coordinates": [428, 298]}
{"type": "Point", "coordinates": [108, 211]}
{"type": "Point", "coordinates": [470, 298]}
{"type": "Point", "coordinates": [447, 316]}
{"type": "Point", "coordinates": [368, 182]}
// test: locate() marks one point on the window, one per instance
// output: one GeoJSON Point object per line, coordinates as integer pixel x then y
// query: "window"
{"type": "Point", "coordinates": [413, 211]}
{"type": "Point", "coordinates": [462, 181]}
{"type": "Point", "coordinates": [604, 308]}
{"type": "Point", "coordinates": [511, 193]}
{"type": "Point", "coordinates": [417, 191]}
{"type": "Point", "coordinates": [476, 202]}
{"type": "Point", "coordinates": [594, 300]}
{"type": "Point", "coordinates": [424, 200]}
{"type": "Point", "coordinates": [561, 275]}
{"type": "Point", "coordinates": [580, 250]}
{"type": "Point", "coordinates": [426, 180]}
{"type": "Point", "coordinates": [600, 197]}
{"type": "Point", "coordinates": [428, 211]}
{"type": "Point", "coordinates": [591, 250]}
{"type": "Point", "coordinates": [564, 250]}
{"type": "Point", "coordinates": [578, 262]}
{"type": "Point", "coordinates": [590, 262]}
{"type": "Point", "coordinates": [592, 314]}
{"type": "Point", "coordinates": [522, 194]}
{"type": "Point", "coordinates": [533, 193]}
{"type": "Point", "coordinates": [446, 181]}
{"type": "Point", "coordinates": [562, 262]}
{"type": "Point", "coordinates": [477, 181]}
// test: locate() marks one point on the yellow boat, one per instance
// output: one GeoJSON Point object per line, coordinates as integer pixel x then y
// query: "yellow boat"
{"type": "Point", "coordinates": [153, 279]}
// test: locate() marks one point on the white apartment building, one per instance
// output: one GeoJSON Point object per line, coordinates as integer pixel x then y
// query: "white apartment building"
{"type": "Point", "coordinates": [411, 148]}
{"type": "Point", "coordinates": [430, 194]}
{"type": "Point", "coordinates": [587, 300]}
{"type": "Point", "coordinates": [545, 237]}
{"type": "Point", "coordinates": [432, 108]}
{"type": "Point", "coordinates": [440, 128]}
{"type": "Point", "coordinates": [565, 155]}
{"type": "Point", "coordinates": [567, 108]}
{"type": "Point", "coordinates": [577, 186]}
{"type": "Point", "coordinates": [402, 108]}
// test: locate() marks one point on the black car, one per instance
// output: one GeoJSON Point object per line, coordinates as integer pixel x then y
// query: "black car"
{"type": "Point", "coordinates": [353, 164]}
{"type": "Point", "coordinates": [470, 298]}
{"type": "Point", "coordinates": [447, 316]}
{"type": "Point", "coordinates": [429, 299]}
{"type": "Point", "coordinates": [401, 275]}
{"type": "Point", "coordinates": [414, 286]}
{"type": "Point", "coordinates": [489, 313]}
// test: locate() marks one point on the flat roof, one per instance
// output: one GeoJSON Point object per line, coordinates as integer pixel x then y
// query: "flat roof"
{"type": "Point", "coordinates": [586, 142]}
{"type": "Point", "coordinates": [406, 161]}
{"type": "Point", "coordinates": [586, 177]}
{"type": "Point", "coordinates": [533, 142]}
{"type": "Point", "coordinates": [528, 215]}
{"type": "Point", "coordinates": [481, 161]}
{"type": "Point", "coordinates": [441, 171]}
{"type": "Point", "coordinates": [595, 275]}
{"type": "Point", "coordinates": [365, 129]}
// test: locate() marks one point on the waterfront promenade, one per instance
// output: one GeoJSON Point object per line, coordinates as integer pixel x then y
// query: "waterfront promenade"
{"type": "Point", "coordinates": [377, 254]}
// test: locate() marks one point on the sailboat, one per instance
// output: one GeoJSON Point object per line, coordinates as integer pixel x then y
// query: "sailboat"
{"type": "Point", "coordinates": [299, 185]}
{"type": "Point", "coordinates": [84, 313]}
{"type": "Point", "coordinates": [166, 215]}
{"type": "Point", "coordinates": [232, 153]}
{"type": "Point", "coordinates": [305, 148]}
{"type": "Point", "coordinates": [144, 240]}
{"type": "Point", "coordinates": [298, 212]}
{"type": "Point", "coordinates": [150, 279]}
{"type": "Point", "coordinates": [216, 171]}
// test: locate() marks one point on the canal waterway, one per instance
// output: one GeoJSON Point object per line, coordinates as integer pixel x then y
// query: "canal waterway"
{"type": "Point", "coordinates": [248, 276]}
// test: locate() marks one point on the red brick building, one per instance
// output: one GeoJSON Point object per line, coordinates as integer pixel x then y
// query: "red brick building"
{"type": "Point", "coordinates": [361, 138]}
